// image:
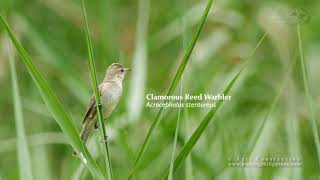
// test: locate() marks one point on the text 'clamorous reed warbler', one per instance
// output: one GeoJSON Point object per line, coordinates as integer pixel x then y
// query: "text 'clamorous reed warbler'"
{"type": "Point", "coordinates": [110, 92]}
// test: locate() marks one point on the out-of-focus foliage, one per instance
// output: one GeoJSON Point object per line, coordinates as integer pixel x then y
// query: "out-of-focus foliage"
{"type": "Point", "coordinates": [53, 33]}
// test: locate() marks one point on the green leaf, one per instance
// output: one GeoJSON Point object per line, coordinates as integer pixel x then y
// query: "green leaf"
{"type": "Point", "coordinates": [308, 96]}
{"type": "Point", "coordinates": [94, 83]}
{"type": "Point", "coordinates": [25, 169]}
{"type": "Point", "coordinates": [188, 169]}
{"type": "Point", "coordinates": [198, 132]}
{"type": "Point", "coordinates": [55, 107]}
{"type": "Point", "coordinates": [257, 133]}
{"type": "Point", "coordinates": [186, 149]}
{"type": "Point", "coordinates": [172, 88]}
{"type": "Point", "coordinates": [255, 137]}
{"type": "Point", "coordinates": [175, 140]}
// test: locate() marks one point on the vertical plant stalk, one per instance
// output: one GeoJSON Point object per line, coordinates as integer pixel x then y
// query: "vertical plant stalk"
{"type": "Point", "coordinates": [292, 128]}
{"type": "Point", "coordinates": [200, 129]}
{"type": "Point", "coordinates": [254, 140]}
{"type": "Point", "coordinates": [175, 141]}
{"type": "Point", "coordinates": [186, 149]}
{"type": "Point", "coordinates": [257, 134]}
{"type": "Point", "coordinates": [189, 167]}
{"type": "Point", "coordinates": [25, 169]}
{"type": "Point", "coordinates": [139, 70]}
{"type": "Point", "coordinates": [54, 106]}
{"type": "Point", "coordinates": [308, 95]}
{"type": "Point", "coordinates": [97, 95]}
{"type": "Point", "coordinates": [172, 88]}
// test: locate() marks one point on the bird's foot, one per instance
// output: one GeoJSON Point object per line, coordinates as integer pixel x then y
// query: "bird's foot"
{"type": "Point", "coordinates": [105, 140]}
{"type": "Point", "coordinates": [96, 126]}
{"type": "Point", "coordinates": [100, 105]}
{"type": "Point", "coordinates": [74, 153]}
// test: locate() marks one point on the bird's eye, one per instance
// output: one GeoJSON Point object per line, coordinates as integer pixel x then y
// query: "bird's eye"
{"type": "Point", "coordinates": [122, 70]}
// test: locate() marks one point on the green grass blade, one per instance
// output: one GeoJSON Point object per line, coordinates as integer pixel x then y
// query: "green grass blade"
{"type": "Point", "coordinates": [189, 167]}
{"type": "Point", "coordinates": [189, 50]}
{"type": "Point", "coordinates": [198, 132]}
{"type": "Point", "coordinates": [258, 131]}
{"type": "Point", "coordinates": [255, 137]}
{"type": "Point", "coordinates": [25, 169]}
{"type": "Point", "coordinates": [175, 141]}
{"type": "Point", "coordinates": [186, 149]}
{"type": "Point", "coordinates": [187, 132]}
{"type": "Point", "coordinates": [97, 94]}
{"type": "Point", "coordinates": [172, 87]}
{"type": "Point", "coordinates": [308, 96]}
{"type": "Point", "coordinates": [54, 106]}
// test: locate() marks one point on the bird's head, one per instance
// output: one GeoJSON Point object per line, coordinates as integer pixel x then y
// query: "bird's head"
{"type": "Point", "coordinates": [116, 72]}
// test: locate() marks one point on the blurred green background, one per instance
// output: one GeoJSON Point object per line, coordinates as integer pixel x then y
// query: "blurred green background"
{"type": "Point", "coordinates": [150, 37]}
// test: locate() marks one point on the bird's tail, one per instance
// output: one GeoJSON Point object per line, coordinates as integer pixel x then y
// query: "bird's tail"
{"type": "Point", "coordinates": [85, 133]}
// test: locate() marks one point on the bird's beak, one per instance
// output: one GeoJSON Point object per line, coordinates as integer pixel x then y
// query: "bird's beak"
{"type": "Point", "coordinates": [127, 69]}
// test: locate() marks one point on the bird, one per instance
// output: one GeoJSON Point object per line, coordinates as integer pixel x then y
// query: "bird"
{"type": "Point", "coordinates": [110, 91]}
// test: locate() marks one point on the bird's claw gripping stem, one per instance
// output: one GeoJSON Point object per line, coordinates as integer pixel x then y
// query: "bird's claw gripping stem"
{"type": "Point", "coordinates": [105, 140]}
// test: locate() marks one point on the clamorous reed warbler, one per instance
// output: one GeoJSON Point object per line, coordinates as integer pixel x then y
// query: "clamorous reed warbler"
{"type": "Point", "coordinates": [110, 92]}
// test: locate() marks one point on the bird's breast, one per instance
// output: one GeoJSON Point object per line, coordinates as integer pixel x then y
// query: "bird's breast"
{"type": "Point", "coordinates": [110, 96]}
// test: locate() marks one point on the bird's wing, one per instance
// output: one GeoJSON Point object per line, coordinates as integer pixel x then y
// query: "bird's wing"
{"type": "Point", "coordinates": [91, 109]}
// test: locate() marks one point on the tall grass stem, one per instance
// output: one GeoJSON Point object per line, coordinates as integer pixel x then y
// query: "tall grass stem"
{"type": "Point", "coordinates": [171, 88]}
{"type": "Point", "coordinates": [308, 95]}
{"type": "Point", "coordinates": [54, 106]}
{"type": "Point", "coordinates": [25, 168]}
{"type": "Point", "coordinates": [93, 78]}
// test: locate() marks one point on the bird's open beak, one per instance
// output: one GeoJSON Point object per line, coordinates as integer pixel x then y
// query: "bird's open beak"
{"type": "Point", "coordinates": [127, 69]}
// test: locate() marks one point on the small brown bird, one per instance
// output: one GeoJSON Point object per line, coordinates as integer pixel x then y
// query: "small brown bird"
{"type": "Point", "coordinates": [110, 92]}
